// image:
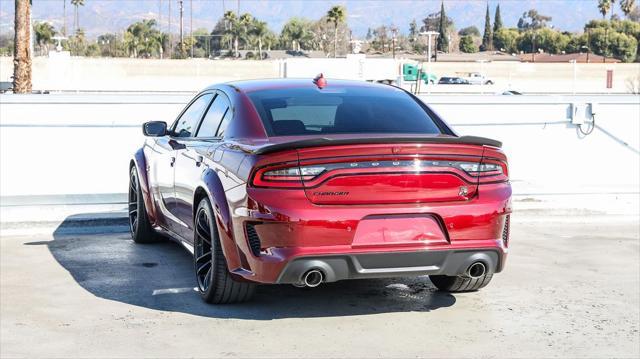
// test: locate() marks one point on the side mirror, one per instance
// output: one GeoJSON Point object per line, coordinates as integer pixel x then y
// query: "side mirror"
{"type": "Point", "coordinates": [154, 128]}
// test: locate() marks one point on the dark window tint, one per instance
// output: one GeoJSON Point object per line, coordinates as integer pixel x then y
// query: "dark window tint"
{"type": "Point", "coordinates": [308, 111]}
{"type": "Point", "coordinates": [225, 123]}
{"type": "Point", "coordinates": [213, 117]}
{"type": "Point", "coordinates": [188, 122]}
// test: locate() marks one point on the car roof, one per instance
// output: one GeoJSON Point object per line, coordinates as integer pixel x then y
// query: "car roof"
{"type": "Point", "coordinates": [268, 84]}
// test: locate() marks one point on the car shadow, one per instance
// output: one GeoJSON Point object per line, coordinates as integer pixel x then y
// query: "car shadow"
{"type": "Point", "coordinates": [160, 276]}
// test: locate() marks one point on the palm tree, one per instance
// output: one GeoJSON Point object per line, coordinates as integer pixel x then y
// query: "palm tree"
{"type": "Point", "coordinates": [232, 29]}
{"type": "Point", "coordinates": [627, 6]}
{"type": "Point", "coordinates": [336, 15]}
{"type": "Point", "coordinates": [77, 4]}
{"type": "Point", "coordinates": [22, 57]}
{"type": "Point", "coordinates": [143, 39]}
{"type": "Point", "coordinates": [613, 3]}
{"type": "Point", "coordinates": [44, 32]}
{"type": "Point", "coordinates": [604, 6]}
{"type": "Point", "coordinates": [259, 30]}
{"type": "Point", "coordinates": [297, 32]}
{"type": "Point", "coordinates": [244, 28]}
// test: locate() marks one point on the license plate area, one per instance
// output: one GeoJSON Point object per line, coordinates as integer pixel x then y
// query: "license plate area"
{"type": "Point", "coordinates": [409, 230]}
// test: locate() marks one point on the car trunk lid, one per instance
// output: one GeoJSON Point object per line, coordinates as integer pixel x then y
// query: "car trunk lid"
{"type": "Point", "coordinates": [389, 173]}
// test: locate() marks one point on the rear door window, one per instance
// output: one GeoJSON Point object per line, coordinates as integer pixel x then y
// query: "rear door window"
{"type": "Point", "coordinates": [225, 123]}
{"type": "Point", "coordinates": [214, 116]}
{"type": "Point", "coordinates": [188, 122]}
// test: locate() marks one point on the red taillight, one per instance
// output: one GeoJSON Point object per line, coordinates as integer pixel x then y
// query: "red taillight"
{"type": "Point", "coordinates": [285, 176]}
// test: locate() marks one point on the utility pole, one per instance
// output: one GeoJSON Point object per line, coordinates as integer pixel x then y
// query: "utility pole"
{"type": "Point", "coordinates": [64, 17]}
{"type": "Point", "coordinates": [170, 35]}
{"type": "Point", "coordinates": [181, 23]}
{"type": "Point", "coordinates": [191, 25]}
{"type": "Point", "coordinates": [160, 25]}
{"type": "Point", "coordinates": [22, 48]}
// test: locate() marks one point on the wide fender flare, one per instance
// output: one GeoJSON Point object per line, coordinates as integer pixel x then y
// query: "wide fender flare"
{"type": "Point", "coordinates": [140, 162]}
{"type": "Point", "coordinates": [215, 191]}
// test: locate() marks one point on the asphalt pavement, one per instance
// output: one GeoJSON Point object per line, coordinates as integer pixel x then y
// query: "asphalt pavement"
{"type": "Point", "coordinates": [570, 289]}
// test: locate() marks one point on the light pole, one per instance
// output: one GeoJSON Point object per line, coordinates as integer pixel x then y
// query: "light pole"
{"type": "Point", "coordinates": [575, 72]}
{"type": "Point", "coordinates": [429, 34]}
{"type": "Point", "coordinates": [394, 33]}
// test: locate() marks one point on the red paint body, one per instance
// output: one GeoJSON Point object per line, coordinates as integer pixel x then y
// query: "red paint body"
{"type": "Point", "coordinates": [382, 204]}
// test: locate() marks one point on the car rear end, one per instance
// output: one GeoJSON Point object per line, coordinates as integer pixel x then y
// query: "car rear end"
{"type": "Point", "coordinates": [340, 204]}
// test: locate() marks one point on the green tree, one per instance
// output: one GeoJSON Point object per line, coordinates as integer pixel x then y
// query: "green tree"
{"type": "Point", "coordinates": [469, 30]}
{"type": "Point", "coordinates": [466, 44]}
{"type": "Point", "coordinates": [413, 29]}
{"type": "Point", "coordinates": [76, 19]}
{"type": "Point", "coordinates": [533, 20]}
{"type": "Point", "coordinates": [297, 34]}
{"type": "Point", "coordinates": [603, 31]}
{"type": "Point", "coordinates": [487, 37]}
{"type": "Point", "coordinates": [142, 39]}
{"type": "Point", "coordinates": [497, 20]}
{"type": "Point", "coordinates": [336, 15]}
{"type": "Point", "coordinates": [497, 24]}
{"type": "Point", "coordinates": [110, 46]}
{"type": "Point", "coordinates": [380, 39]}
{"type": "Point", "coordinates": [442, 42]}
{"type": "Point", "coordinates": [547, 40]}
{"type": "Point", "coordinates": [44, 33]}
{"type": "Point", "coordinates": [506, 40]}
{"type": "Point", "coordinates": [76, 44]}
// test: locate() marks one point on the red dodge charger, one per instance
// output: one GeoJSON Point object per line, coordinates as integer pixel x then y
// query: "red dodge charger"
{"type": "Point", "coordinates": [311, 181]}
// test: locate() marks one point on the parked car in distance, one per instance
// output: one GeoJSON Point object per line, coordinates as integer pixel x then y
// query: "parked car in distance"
{"type": "Point", "coordinates": [476, 78]}
{"type": "Point", "coordinates": [452, 81]}
{"type": "Point", "coordinates": [509, 93]}
{"type": "Point", "coordinates": [302, 182]}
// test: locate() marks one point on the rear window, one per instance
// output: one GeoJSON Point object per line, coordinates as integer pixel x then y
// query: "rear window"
{"type": "Point", "coordinates": [308, 111]}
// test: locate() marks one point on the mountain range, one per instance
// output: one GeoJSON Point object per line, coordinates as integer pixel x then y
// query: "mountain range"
{"type": "Point", "coordinates": [102, 16]}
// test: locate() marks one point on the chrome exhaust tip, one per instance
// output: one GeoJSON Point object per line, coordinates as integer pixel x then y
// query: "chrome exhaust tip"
{"type": "Point", "coordinates": [312, 278]}
{"type": "Point", "coordinates": [476, 270]}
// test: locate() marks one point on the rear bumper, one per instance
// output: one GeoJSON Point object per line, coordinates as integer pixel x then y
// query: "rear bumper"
{"type": "Point", "coordinates": [290, 235]}
{"type": "Point", "coordinates": [392, 264]}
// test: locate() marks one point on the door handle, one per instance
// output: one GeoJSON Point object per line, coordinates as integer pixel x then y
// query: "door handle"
{"type": "Point", "coordinates": [199, 160]}
{"type": "Point", "coordinates": [173, 161]}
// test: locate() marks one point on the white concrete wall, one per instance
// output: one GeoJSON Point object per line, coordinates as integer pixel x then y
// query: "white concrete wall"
{"type": "Point", "coordinates": [81, 144]}
{"type": "Point", "coordinates": [124, 74]}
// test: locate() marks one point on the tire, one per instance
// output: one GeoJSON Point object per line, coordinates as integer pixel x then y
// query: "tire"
{"type": "Point", "coordinates": [458, 284]}
{"type": "Point", "coordinates": [139, 226]}
{"type": "Point", "coordinates": [215, 283]}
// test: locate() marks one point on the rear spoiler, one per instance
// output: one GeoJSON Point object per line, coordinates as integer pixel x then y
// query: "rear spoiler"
{"type": "Point", "coordinates": [321, 142]}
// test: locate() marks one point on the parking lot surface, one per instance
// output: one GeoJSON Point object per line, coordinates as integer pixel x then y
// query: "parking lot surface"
{"type": "Point", "coordinates": [570, 289]}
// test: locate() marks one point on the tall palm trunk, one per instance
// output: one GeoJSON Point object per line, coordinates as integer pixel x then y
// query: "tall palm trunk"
{"type": "Point", "coordinates": [235, 46]}
{"type": "Point", "coordinates": [335, 40]}
{"type": "Point", "coordinates": [260, 47]}
{"type": "Point", "coordinates": [21, 48]}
